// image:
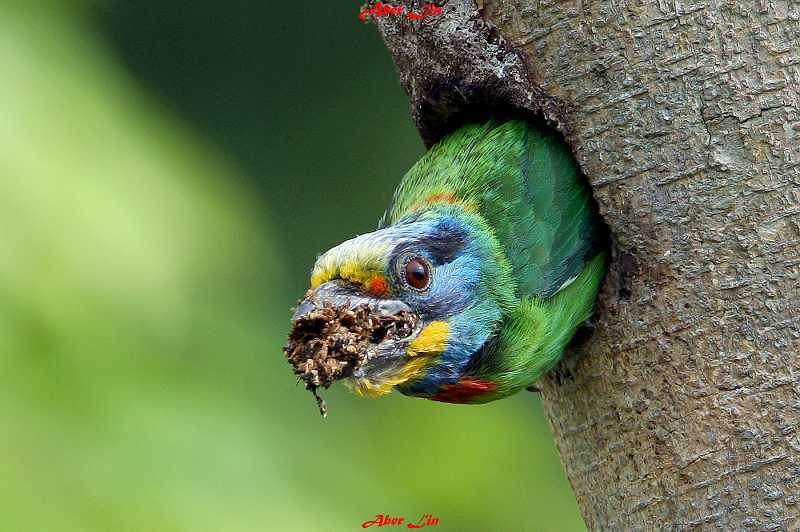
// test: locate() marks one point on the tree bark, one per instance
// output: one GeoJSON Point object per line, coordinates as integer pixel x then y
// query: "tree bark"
{"type": "Point", "coordinates": [680, 411]}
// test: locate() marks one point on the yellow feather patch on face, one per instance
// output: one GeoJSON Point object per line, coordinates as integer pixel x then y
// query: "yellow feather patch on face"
{"type": "Point", "coordinates": [374, 283]}
{"type": "Point", "coordinates": [413, 369]}
{"type": "Point", "coordinates": [432, 339]}
{"type": "Point", "coordinates": [430, 342]}
{"type": "Point", "coordinates": [357, 260]}
{"type": "Point", "coordinates": [320, 276]}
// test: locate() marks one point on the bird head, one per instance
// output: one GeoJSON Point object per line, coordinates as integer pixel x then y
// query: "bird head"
{"type": "Point", "coordinates": [487, 260]}
{"type": "Point", "coordinates": [442, 266]}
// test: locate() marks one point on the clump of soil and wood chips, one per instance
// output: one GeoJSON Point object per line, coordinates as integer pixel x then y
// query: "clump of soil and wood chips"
{"type": "Point", "coordinates": [330, 342]}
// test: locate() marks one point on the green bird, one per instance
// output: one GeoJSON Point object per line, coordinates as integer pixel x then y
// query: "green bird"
{"type": "Point", "coordinates": [487, 261]}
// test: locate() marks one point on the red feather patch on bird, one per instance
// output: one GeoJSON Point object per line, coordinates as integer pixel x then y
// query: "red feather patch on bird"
{"type": "Point", "coordinates": [379, 286]}
{"type": "Point", "coordinates": [441, 197]}
{"type": "Point", "coordinates": [464, 391]}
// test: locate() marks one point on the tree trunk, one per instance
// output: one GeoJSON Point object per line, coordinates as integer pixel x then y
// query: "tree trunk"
{"type": "Point", "coordinates": [680, 411]}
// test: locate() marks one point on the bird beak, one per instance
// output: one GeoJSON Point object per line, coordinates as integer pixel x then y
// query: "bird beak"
{"type": "Point", "coordinates": [341, 333]}
{"type": "Point", "coordinates": [339, 294]}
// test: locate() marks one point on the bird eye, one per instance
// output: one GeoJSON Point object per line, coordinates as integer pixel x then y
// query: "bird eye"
{"type": "Point", "coordinates": [418, 274]}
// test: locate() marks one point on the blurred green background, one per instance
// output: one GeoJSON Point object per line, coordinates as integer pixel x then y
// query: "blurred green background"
{"type": "Point", "coordinates": [168, 173]}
